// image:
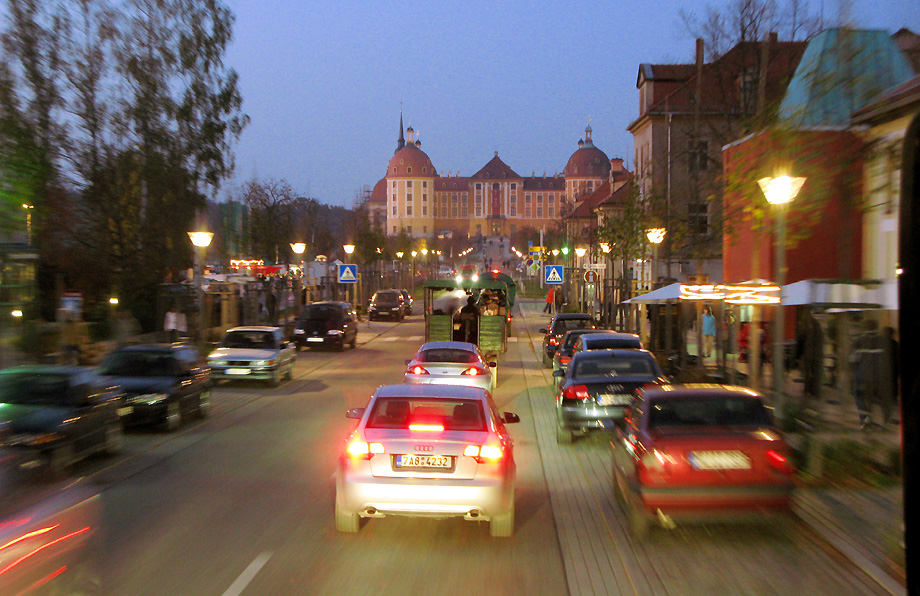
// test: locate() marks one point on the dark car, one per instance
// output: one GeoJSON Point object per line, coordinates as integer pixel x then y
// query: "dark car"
{"type": "Point", "coordinates": [59, 415]}
{"type": "Point", "coordinates": [387, 304]}
{"type": "Point", "coordinates": [407, 301]}
{"type": "Point", "coordinates": [598, 388]}
{"type": "Point", "coordinates": [700, 452]}
{"type": "Point", "coordinates": [556, 329]}
{"type": "Point", "coordinates": [564, 351]}
{"type": "Point", "coordinates": [164, 384]}
{"type": "Point", "coordinates": [327, 324]}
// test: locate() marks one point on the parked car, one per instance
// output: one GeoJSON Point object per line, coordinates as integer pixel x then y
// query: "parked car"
{"type": "Point", "coordinates": [386, 304]}
{"type": "Point", "coordinates": [562, 322]}
{"type": "Point", "coordinates": [327, 324]}
{"type": "Point", "coordinates": [563, 353]}
{"type": "Point", "coordinates": [428, 450]}
{"type": "Point", "coordinates": [609, 340]}
{"type": "Point", "coordinates": [253, 353]}
{"type": "Point", "coordinates": [598, 387]}
{"type": "Point", "coordinates": [700, 452]}
{"type": "Point", "coordinates": [450, 363]}
{"type": "Point", "coordinates": [164, 384]}
{"type": "Point", "coordinates": [407, 301]}
{"type": "Point", "coordinates": [59, 415]}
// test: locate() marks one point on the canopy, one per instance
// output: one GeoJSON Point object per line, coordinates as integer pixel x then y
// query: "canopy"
{"type": "Point", "coordinates": [665, 294]}
{"type": "Point", "coordinates": [852, 294]}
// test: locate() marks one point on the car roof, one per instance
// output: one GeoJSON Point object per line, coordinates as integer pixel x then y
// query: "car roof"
{"type": "Point", "coordinates": [330, 303]}
{"type": "Point", "coordinates": [46, 368]}
{"type": "Point", "coordinates": [160, 347]}
{"type": "Point", "coordinates": [455, 345]}
{"type": "Point", "coordinates": [616, 353]}
{"type": "Point", "coordinates": [253, 328]}
{"type": "Point", "coordinates": [696, 390]}
{"type": "Point", "coordinates": [572, 315]}
{"type": "Point", "coordinates": [612, 335]}
{"type": "Point", "coordinates": [445, 391]}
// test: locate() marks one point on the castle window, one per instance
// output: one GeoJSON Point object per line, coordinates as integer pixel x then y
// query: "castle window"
{"type": "Point", "coordinates": [551, 211]}
{"type": "Point", "coordinates": [478, 186]}
{"type": "Point", "coordinates": [408, 210]}
{"type": "Point", "coordinates": [513, 210]}
{"type": "Point", "coordinates": [539, 211]}
{"type": "Point", "coordinates": [424, 210]}
{"type": "Point", "coordinates": [409, 169]}
{"type": "Point", "coordinates": [424, 197]}
{"type": "Point", "coordinates": [409, 197]}
{"type": "Point", "coordinates": [394, 210]}
{"type": "Point", "coordinates": [513, 186]}
{"type": "Point", "coordinates": [408, 184]}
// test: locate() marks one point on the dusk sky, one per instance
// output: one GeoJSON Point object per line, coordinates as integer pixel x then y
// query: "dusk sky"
{"type": "Point", "coordinates": [323, 81]}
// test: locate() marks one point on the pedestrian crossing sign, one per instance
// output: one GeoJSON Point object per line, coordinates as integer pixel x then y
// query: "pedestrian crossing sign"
{"type": "Point", "coordinates": [348, 273]}
{"type": "Point", "coordinates": [553, 274]}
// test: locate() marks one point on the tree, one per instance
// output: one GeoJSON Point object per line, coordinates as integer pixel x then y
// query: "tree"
{"type": "Point", "coordinates": [271, 216]}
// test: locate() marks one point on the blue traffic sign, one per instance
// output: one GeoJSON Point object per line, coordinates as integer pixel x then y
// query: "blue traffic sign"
{"type": "Point", "coordinates": [553, 274]}
{"type": "Point", "coordinates": [348, 273]}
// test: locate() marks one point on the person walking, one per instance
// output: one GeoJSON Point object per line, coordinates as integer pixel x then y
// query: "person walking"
{"type": "Point", "coordinates": [709, 331]}
{"type": "Point", "coordinates": [550, 300]}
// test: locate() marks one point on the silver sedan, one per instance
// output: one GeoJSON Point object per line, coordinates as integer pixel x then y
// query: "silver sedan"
{"type": "Point", "coordinates": [430, 451]}
{"type": "Point", "coordinates": [450, 363]}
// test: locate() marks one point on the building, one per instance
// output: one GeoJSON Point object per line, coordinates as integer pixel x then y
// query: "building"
{"type": "Point", "coordinates": [495, 200]}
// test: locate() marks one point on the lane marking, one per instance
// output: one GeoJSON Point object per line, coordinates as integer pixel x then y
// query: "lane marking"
{"type": "Point", "coordinates": [391, 338]}
{"type": "Point", "coordinates": [414, 337]}
{"type": "Point", "coordinates": [237, 587]}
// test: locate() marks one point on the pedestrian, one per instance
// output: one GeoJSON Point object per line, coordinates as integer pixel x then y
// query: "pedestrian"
{"type": "Point", "coordinates": [550, 300]}
{"type": "Point", "coordinates": [709, 331]}
{"type": "Point", "coordinates": [872, 374]}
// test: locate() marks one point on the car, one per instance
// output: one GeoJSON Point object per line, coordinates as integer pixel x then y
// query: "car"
{"type": "Point", "coordinates": [563, 353]}
{"type": "Point", "coordinates": [428, 451]}
{"type": "Point", "coordinates": [608, 340]}
{"type": "Point", "coordinates": [256, 353]}
{"type": "Point", "coordinates": [598, 387]}
{"type": "Point", "coordinates": [700, 452]}
{"type": "Point", "coordinates": [163, 384]}
{"type": "Point", "coordinates": [446, 272]}
{"type": "Point", "coordinates": [450, 363]}
{"type": "Point", "coordinates": [386, 304]}
{"type": "Point", "coordinates": [327, 324]}
{"type": "Point", "coordinates": [558, 325]}
{"type": "Point", "coordinates": [59, 415]}
{"type": "Point", "coordinates": [407, 301]}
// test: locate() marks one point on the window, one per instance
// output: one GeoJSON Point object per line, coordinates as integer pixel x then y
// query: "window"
{"type": "Point", "coordinates": [409, 197]}
{"type": "Point", "coordinates": [424, 196]}
{"type": "Point", "coordinates": [551, 211]}
{"type": "Point", "coordinates": [408, 184]}
{"type": "Point", "coordinates": [408, 210]}
{"type": "Point", "coordinates": [513, 186]}
{"type": "Point", "coordinates": [394, 210]}
{"type": "Point", "coordinates": [394, 171]}
{"type": "Point", "coordinates": [394, 198]}
{"type": "Point", "coordinates": [697, 159]}
{"type": "Point", "coordinates": [424, 229]}
{"type": "Point", "coordinates": [478, 186]}
{"type": "Point", "coordinates": [539, 199]}
{"type": "Point", "coordinates": [394, 230]}
{"type": "Point", "coordinates": [424, 210]}
{"type": "Point", "coordinates": [698, 218]}
{"type": "Point", "coordinates": [551, 199]}
{"type": "Point", "coordinates": [539, 211]}
{"type": "Point", "coordinates": [453, 211]}
{"type": "Point", "coordinates": [513, 210]}
{"type": "Point", "coordinates": [527, 211]}
{"type": "Point", "coordinates": [527, 198]}
{"type": "Point", "coordinates": [424, 183]}
{"type": "Point", "coordinates": [478, 211]}
{"type": "Point", "coordinates": [408, 229]}
{"type": "Point", "coordinates": [393, 185]}
{"type": "Point", "coordinates": [409, 170]}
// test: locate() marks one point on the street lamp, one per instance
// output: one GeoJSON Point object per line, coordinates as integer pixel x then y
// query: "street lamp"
{"type": "Point", "coordinates": [349, 249]}
{"type": "Point", "coordinates": [780, 191]}
{"type": "Point", "coordinates": [656, 237]}
{"type": "Point", "coordinates": [28, 209]}
{"type": "Point", "coordinates": [201, 241]}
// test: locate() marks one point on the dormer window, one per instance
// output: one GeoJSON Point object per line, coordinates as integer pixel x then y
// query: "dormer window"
{"type": "Point", "coordinates": [409, 170]}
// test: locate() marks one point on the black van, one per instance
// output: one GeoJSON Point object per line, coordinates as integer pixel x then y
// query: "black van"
{"type": "Point", "coordinates": [329, 324]}
{"type": "Point", "coordinates": [387, 304]}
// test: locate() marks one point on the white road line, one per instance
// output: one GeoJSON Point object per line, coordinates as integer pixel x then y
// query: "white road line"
{"type": "Point", "coordinates": [513, 340]}
{"type": "Point", "coordinates": [237, 587]}
{"type": "Point", "coordinates": [414, 337]}
{"type": "Point", "coordinates": [391, 338]}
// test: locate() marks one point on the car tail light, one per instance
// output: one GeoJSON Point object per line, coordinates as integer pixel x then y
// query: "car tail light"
{"type": "Point", "coordinates": [575, 392]}
{"type": "Point", "coordinates": [650, 385]}
{"type": "Point", "coordinates": [565, 359]}
{"type": "Point", "coordinates": [779, 462]}
{"type": "Point", "coordinates": [553, 341]}
{"type": "Point", "coordinates": [656, 460]}
{"type": "Point", "coordinates": [418, 370]}
{"type": "Point", "coordinates": [426, 427]}
{"type": "Point", "coordinates": [473, 371]}
{"type": "Point", "coordinates": [358, 449]}
{"type": "Point", "coordinates": [484, 454]}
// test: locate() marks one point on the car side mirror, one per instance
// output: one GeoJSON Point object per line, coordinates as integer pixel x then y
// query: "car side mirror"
{"type": "Point", "coordinates": [355, 413]}
{"type": "Point", "coordinates": [493, 364]}
{"type": "Point", "coordinates": [510, 417]}
{"type": "Point", "coordinates": [558, 373]}
{"type": "Point", "coordinates": [541, 330]}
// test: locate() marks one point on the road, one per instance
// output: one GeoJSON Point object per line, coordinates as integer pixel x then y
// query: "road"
{"type": "Point", "coordinates": [242, 504]}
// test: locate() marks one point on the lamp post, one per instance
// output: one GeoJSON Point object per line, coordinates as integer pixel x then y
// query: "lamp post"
{"type": "Point", "coordinates": [349, 249]}
{"type": "Point", "coordinates": [299, 248]}
{"type": "Point", "coordinates": [399, 255]}
{"type": "Point", "coordinates": [780, 191]}
{"type": "Point", "coordinates": [655, 236]}
{"type": "Point", "coordinates": [201, 240]}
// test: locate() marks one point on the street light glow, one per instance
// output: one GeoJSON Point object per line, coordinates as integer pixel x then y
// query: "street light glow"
{"type": "Point", "coordinates": [555, 252]}
{"type": "Point", "coordinates": [349, 248]}
{"type": "Point", "coordinates": [580, 251]}
{"type": "Point", "coordinates": [605, 247]}
{"type": "Point", "coordinates": [113, 301]}
{"type": "Point", "coordinates": [298, 247]}
{"type": "Point", "coordinates": [201, 239]}
{"type": "Point", "coordinates": [656, 235]}
{"type": "Point", "coordinates": [400, 254]}
{"type": "Point", "coordinates": [17, 313]}
{"type": "Point", "coordinates": [781, 189]}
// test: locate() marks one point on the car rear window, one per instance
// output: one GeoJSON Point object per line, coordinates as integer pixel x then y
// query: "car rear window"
{"type": "Point", "coordinates": [138, 364]}
{"type": "Point", "coordinates": [43, 389]}
{"type": "Point", "coordinates": [614, 367]}
{"type": "Point", "coordinates": [448, 355]}
{"type": "Point", "coordinates": [708, 411]}
{"type": "Point", "coordinates": [386, 296]}
{"type": "Point", "coordinates": [564, 325]}
{"type": "Point", "coordinates": [322, 312]}
{"type": "Point", "coordinates": [451, 414]}
{"type": "Point", "coordinates": [612, 344]}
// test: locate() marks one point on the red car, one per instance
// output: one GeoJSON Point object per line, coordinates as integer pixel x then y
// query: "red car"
{"type": "Point", "coordinates": [698, 453]}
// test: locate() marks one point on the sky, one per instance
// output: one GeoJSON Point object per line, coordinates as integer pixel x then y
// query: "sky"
{"type": "Point", "coordinates": [323, 82]}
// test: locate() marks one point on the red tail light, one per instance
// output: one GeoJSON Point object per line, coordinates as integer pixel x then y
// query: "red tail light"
{"type": "Point", "coordinates": [359, 449]}
{"type": "Point", "coordinates": [473, 371]}
{"type": "Point", "coordinates": [779, 462]}
{"type": "Point", "coordinates": [650, 385]}
{"type": "Point", "coordinates": [484, 454]}
{"type": "Point", "coordinates": [565, 359]}
{"type": "Point", "coordinates": [575, 392]}
{"type": "Point", "coordinates": [418, 370]}
{"type": "Point", "coordinates": [553, 341]}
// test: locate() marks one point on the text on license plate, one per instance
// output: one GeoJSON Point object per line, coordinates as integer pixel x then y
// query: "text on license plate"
{"type": "Point", "coordinates": [614, 399]}
{"type": "Point", "coordinates": [237, 371]}
{"type": "Point", "coordinates": [315, 339]}
{"type": "Point", "coordinates": [719, 460]}
{"type": "Point", "coordinates": [423, 461]}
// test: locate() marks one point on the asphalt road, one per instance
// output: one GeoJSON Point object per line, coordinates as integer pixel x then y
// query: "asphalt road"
{"type": "Point", "coordinates": [242, 504]}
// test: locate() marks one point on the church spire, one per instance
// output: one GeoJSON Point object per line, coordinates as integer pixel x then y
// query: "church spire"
{"type": "Point", "coordinates": [401, 142]}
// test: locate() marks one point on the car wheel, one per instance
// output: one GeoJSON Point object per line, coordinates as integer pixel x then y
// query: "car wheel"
{"type": "Point", "coordinates": [502, 526]}
{"type": "Point", "coordinates": [58, 461]}
{"type": "Point", "coordinates": [345, 521]}
{"type": "Point", "coordinates": [354, 341]}
{"type": "Point", "coordinates": [114, 438]}
{"type": "Point", "coordinates": [289, 375]}
{"type": "Point", "coordinates": [276, 378]}
{"type": "Point", "coordinates": [640, 522]}
{"type": "Point", "coordinates": [204, 404]}
{"type": "Point", "coordinates": [563, 436]}
{"type": "Point", "coordinates": [340, 347]}
{"type": "Point", "coordinates": [547, 361]}
{"type": "Point", "coordinates": [173, 419]}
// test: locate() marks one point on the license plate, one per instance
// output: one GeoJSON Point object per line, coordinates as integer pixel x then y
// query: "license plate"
{"type": "Point", "coordinates": [125, 410]}
{"type": "Point", "coordinates": [614, 399]}
{"type": "Point", "coordinates": [237, 371]}
{"type": "Point", "coordinates": [719, 460]}
{"type": "Point", "coordinates": [423, 461]}
{"type": "Point", "coordinates": [315, 339]}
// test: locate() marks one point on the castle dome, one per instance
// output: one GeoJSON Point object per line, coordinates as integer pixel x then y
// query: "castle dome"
{"type": "Point", "coordinates": [410, 162]}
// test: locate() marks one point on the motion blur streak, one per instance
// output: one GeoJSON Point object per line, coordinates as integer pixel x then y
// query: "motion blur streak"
{"type": "Point", "coordinates": [43, 547]}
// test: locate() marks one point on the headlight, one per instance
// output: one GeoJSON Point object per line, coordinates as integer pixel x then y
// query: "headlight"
{"type": "Point", "coordinates": [263, 362]}
{"type": "Point", "coordinates": [334, 332]}
{"type": "Point", "coordinates": [395, 308]}
{"type": "Point", "coordinates": [298, 332]}
{"type": "Point", "coordinates": [149, 399]}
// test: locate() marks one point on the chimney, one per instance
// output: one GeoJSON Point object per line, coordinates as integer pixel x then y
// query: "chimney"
{"type": "Point", "coordinates": [616, 164]}
{"type": "Point", "coordinates": [773, 37]}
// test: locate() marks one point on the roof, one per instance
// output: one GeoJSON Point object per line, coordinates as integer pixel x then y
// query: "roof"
{"type": "Point", "coordinates": [841, 71]}
{"type": "Point", "coordinates": [494, 170]}
{"type": "Point", "coordinates": [903, 96]}
{"type": "Point", "coordinates": [691, 390]}
{"type": "Point", "coordinates": [410, 156]}
{"type": "Point", "coordinates": [544, 183]}
{"type": "Point", "coordinates": [449, 391]}
{"type": "Point", "coordinates": [586, 204]}
{"type": "Point", "coordinates": [379, 194]}
{"type": "Point", "coordinates": [453, 345]}
{"type": "Point", "coordinates": [449, 183]}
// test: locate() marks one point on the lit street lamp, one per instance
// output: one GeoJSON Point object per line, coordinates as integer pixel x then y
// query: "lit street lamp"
{"type": "Point", "coordinates": [201, 240]}
{"type": "Point", "coordinates": [780, 191]}
{"type": "Point", "coordinates": [655, 236]}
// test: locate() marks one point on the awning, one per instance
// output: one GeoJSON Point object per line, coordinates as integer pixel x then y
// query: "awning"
{"type": "Point", "coordinates": [665, 294]}
{"type": "Point", "coordinates": [844, 294]}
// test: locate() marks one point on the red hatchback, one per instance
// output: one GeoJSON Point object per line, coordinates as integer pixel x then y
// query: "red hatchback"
{"type": "Point", "coordinates": [697, 453]}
